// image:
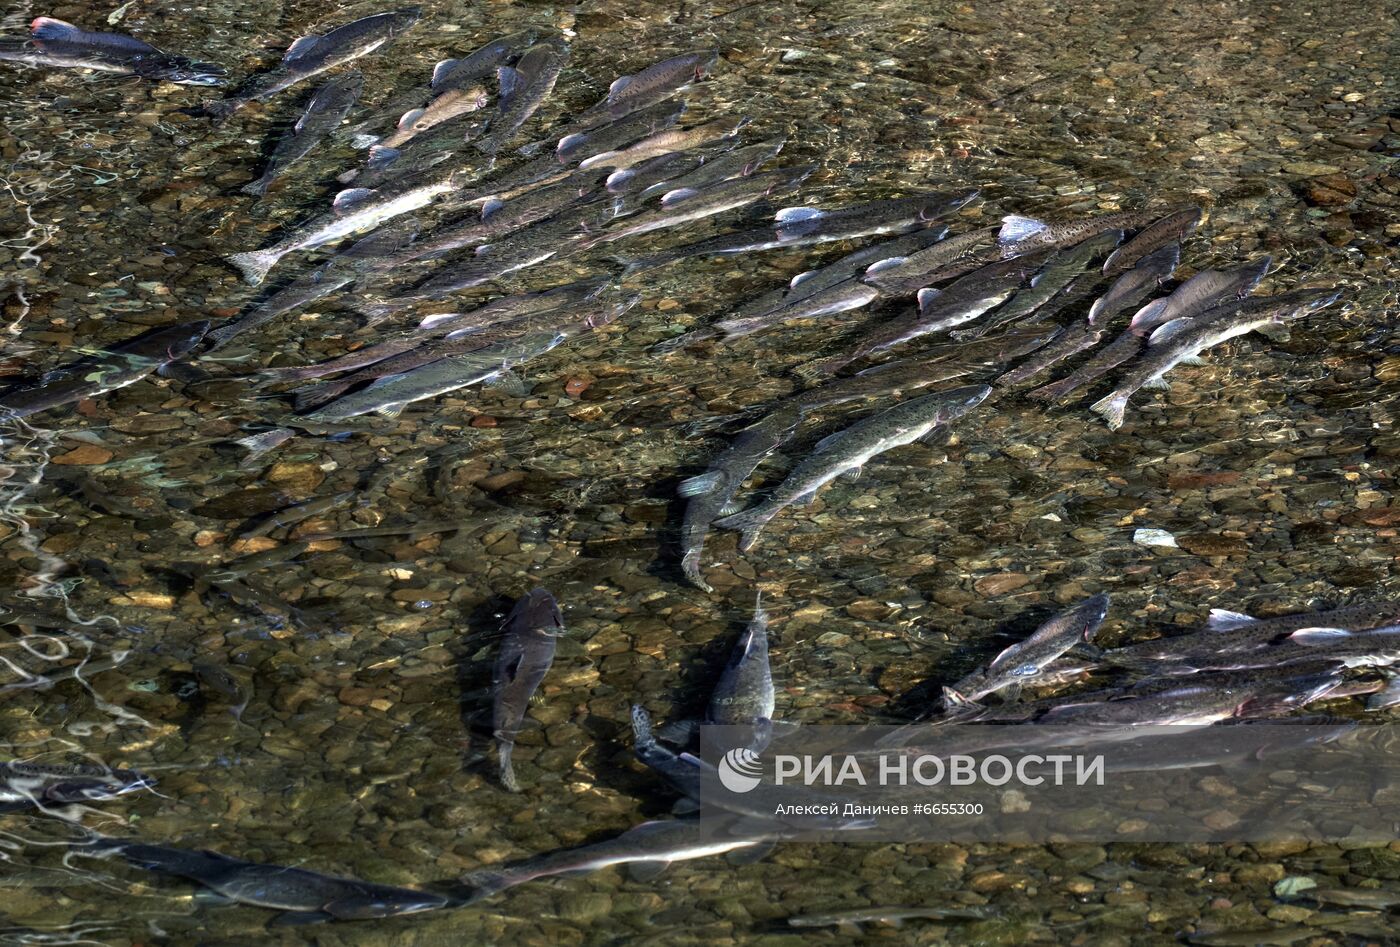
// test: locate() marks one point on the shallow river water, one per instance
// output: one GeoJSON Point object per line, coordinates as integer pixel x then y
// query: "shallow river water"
{"type": "Point", "coordinates": [365, 748]}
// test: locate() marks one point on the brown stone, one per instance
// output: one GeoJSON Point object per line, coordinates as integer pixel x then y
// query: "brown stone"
{"type": "Point", "coordinates": [501, 481]}
{"type": "Point", "coordinates": [85, 455]}
{"type": "Point", "coordinates": [1001, 583]}
{"type": "Point", "coordinates": [1212, 544]}
{"type": "Point", "coordinates": [1329, 190]}
{"type": "Point", "coordinates": [1194, 481]}
{"type": "Point", "coordinates": [301, 478]}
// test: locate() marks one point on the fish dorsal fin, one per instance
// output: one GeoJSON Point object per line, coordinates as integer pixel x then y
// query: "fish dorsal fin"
{"type": "Point", "coordinates": [801, 278]}
{"type": "Point", "coordinates": [1148, 317]}
{"type": "Point", "coordinates": [381, 156]}
{"type": "Point", "coordinates": [672, 198]}
{"type": "Point", "coordinates": [1165, 331]}
{"type": "Point", "coordinates": [617, 86]}
{"type": "Point", "coordinates": [1312, 636]}
{"type": "Point", "coordinates": [409, 117]}
{"type": "Point", "coordinates": [300, 48]}
{"type": "Point", "coordinates": [510, 81]}
{"type": "Point", "coordinates": [700, 483]}
{"type": "Point", "coordinates": [826, 442]}
{"type": "Point", "coordinates": [1007, 653]}
{"type": "Point", "coordinates": [51, 28]}
{"type": "Point", "coordinates": [386, 380]}
{"type": "Point", "coordinates": [885, 264]}
{"type": "Point", "coordinates": [927, 296]}
{"type": "Point", "coordinates": [491, 207]}
{"type": "Point", "coordinates": [348, 198]}
{"type": "Point", "coordinates": [1222, 619]}
{"type": "Point", "coordinates": [440, 70]}
{"type": "Point", "coordinates": [1014, 227]}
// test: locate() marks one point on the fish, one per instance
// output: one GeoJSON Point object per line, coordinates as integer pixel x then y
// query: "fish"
{"type": "Point", "coordinates": [1067, 344]}
{"type": "Point", "coordinates": [806, 294]}
{"type": "Point", "coordinates": [850, 921]}
{"type": "Point", "coordinates": [627, 94]}
{"type": "Point", "coordinates": [1194, 704]}
{"type": "Point", "coordinates": [685, 205]}
{"type": "Point", "coordinates": [454, 75]}
{"type": "Point", "coordinates": [938, 310]}
{"type": "Point", "coordinates": [944, 260]}
{"type": "Point", "coordinates": [25, 785]}
{"type": "Point", "coordinates": [326, 109]}
{"type": "Point", "coordinates": [1198, 294]}
{"type": "Point", "coordinates": [805, 226]}
{"type": "Point", "coordinates": [1180, 340]}
{"type": "Point", "coordinates": [502, 309]}
{"type": "Point", "coordinates": [107, 370]}
{"type": "Point", "coordinates": [299, 513]}
{"type": "Point", "coordinates": [1026, 662]}
{"type": "Point", "coordinates": [1023, 234]}
{"type": "Point", "coordinates": [847, 450]}
{"type": "Point", "coordinates": [217, 678]}
{"type": "Point", "coordinates": [304, 897]}
{"type": "Point", "coordinates": [312, 55]}
{"type": "Point", "coordinates": [743, 696]}
{"type": "Point", "coordinates": [355, 210]}
{"type": "Point", "coordinates": [499, 219]}
{"type": "Point", "coordinates": [627, 184]}
{"type": "Point", "coordinates": [739, 163]}
{"type": "Point", "coordinates": [665, 142]}
{"type": "Point", "coordinates": [339, 271]}
{"type": "Point", "coordinates": [1136, 284]}
{"type": "Point", "coordinates": [1369, 648]}
{"type": "Point", "coordinates": [1173, 228]}
{"type": "Point", "coordinates": [647, 849]}
{"type": "Point", "coordinates": [711, 494]}
{"type": "Point", "coordinates": [445, 107]}
{"type": "Point", "coordinates": [54, 42]}
{"type": "Point", "coordinates": [1387, 696]}
{"type": "Point", "coordinates": [531, 632]}
{"type": "Point", "coordinates": [524, 87]}
{"type": "Point", "coordinates": [1230, 633]}
{"type": "Point", "coordinates": [1057, 274]}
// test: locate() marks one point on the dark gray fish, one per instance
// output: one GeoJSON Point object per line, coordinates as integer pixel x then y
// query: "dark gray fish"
{"type": "Point", "coordinates": [449, 106]}
{"type": "Point", "coordinates": [1059, 271]}
{"type": "Point", "coordinates": [27, 785]}
{"type": "Point", "coordinates": [524, 87]}
{"type": "Point", "coordinates": [846, 451]}
{"type": "Point", "coordinates": [1173, 228]}
{"type": "Point", "coordinates": [711, 494]}
{"type": "Point", "coordinates": [1026, 662]}
{"type": "Point", "coordinates": [1069, 343]}
{"type": "Point", "coordinates": [217, 678]}
{"type": "Point", "coordinates": [684, 205]}
{"type": "Point", "coordinates": [320, 281]}
{"type": "Point", "coordinates": [944, 260]}
{"type": "Point", "coordinates": [531, 631]}
{"type": "Point", "coordinates": [666, 142]}
{"type": "Point", "coordinates": [656, 83]}
{"type": "Point", "coordinates": [464, 73]}
{"type": "Point", "coordinates": [428, 149]}
{"type": "Point", "coordinates": [627, 184]}
{"type": "Point", "coordinates": [122, 365]}
{"type": "Point", "coordinates": [306, 896]}
{"type": "Point", "coordinates": [1199, 294]}
{"type": "Point", "coordinates": [1200, 702]}
{"type": "Point", "coordinates": [795, 301]}
{"type": "Point", "coordinates": [1134, 285]}
{"type": "Point", "coordinates": [743, 696]}
{"type": "Point", "coordinates": [312, 55]}
{"type": "Point", "coordinates": [299, 513]}
{"type": "Point", "coordinates": [938, 310]}
{"type": "Point", "coordinates": [1180, 340]}
{"type": "Point", "coordinates": [804, 226]}
{"type": "Point", "coordinates": [53, 42]}
{"type": "Point", "coordinates": [1023, 234]}
{"type": "Point", "coordinates": [739, 163]}
{"type": "Point", "coordinates": [647, 850]}
{"type": "Point", "coordinates": [328, 106]}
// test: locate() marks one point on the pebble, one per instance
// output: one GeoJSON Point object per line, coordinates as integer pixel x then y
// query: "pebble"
{"type": "Point", "coordinates": [85, 455]}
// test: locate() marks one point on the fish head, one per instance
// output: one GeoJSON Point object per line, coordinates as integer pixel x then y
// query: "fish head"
{"type": "Point", "coordinates": [98, 788]}
{"type": "Point", "coordinates": [537, 611]}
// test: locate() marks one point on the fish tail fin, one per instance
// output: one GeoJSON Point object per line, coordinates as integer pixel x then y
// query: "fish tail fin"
{"type": "Point", "coordinates": [641, 727]}
{"type": "Point", "coordinates": [220, 110]}
{"type": "Point", "coordinates": [749, 523]}
{"type": "Point", "coordinates": [821, 368]}
{"type": "Point", "coordinates": [1055, 390]}
{"type": "Point", "coordinates": [1111, 408]}
{"type": "Point", "coordinates": [508, 779]}
{"type": "Point", "coordinates": [313, 396]}
{"type": "Point", "coordinates": [257, 188]}
{"type": "Point", "coordinates": [255, 263]}
{"type": "Point", "coordinates": [690, 568]}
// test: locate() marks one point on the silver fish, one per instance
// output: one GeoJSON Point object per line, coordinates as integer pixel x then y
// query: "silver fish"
{"type": "Point", "coordinates": [445, 107]}
{"type": "Point", "coordinates": [665, 142]}
{"type": "Point", "coordinates": [1173, 228]}
{"type": "Point", "coordinates": [312, 55]}
{"type": "Point", "coordinates": [847, 450]}
{"type": "Point", "coordinates": [739, 163]}
{"type": "Point", "coordinates": [647, 850]}
{"type": "Point", "coordinates": [1180, 340]}
{"type": "Point", "coordinates": [53, 42]}
{"type": "Point", "coordinates": [304, 896]}
{"type": "Point", "coordinates": [1134, 285]}
{"type": "Point", "coordinates": [25, 785]}
{"type": "Point", "coordinates": [1025, 662]}
{"type": "Point", "coordinates": [354, 211]}
{"type": "Point", "coordinates": [743, 696]}
{"type": "Point", "coordinates": [524, 87]}
{"type": "Point", "coordinates": [328, 106]}
{"type": "Point", "coordinates": [531, 630]}
{"type": "Point", "coordinates": [451, 75]}
{"type": "Point", "coordinates": [1023, 234]}
{"type": "Point", "coordinates": [711, 494]}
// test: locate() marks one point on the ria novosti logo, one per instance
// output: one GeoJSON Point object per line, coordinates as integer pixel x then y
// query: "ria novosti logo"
{"type": "Point", "coordinates": [740, 770]}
